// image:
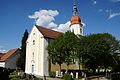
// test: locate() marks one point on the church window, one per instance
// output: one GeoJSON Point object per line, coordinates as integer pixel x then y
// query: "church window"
{"type": "Point", "coordinates": [33, 55]}
{"type": "Point", "coordinates": [33, 42]}
{"type": "Point", "coordinates": [32, 69]}
{"type": "Point", "coordinates": [80, 30]}
{"type": "Point", "coordinates": [33, 33]}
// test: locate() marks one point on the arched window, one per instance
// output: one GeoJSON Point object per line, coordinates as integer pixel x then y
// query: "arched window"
{"type": "Point", "coordinates": [32, 69]}
{"type": "Point", "coordinates": [33, 42]}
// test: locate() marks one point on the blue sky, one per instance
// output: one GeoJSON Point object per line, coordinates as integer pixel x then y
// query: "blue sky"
{"type": "Point", "coordinates": [97, 15]}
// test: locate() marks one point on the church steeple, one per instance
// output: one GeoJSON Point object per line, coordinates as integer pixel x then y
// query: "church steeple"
{"type": "Point", "coordinates": [75, 8]}
{"type": "Point", "coordinates": [76, 22]}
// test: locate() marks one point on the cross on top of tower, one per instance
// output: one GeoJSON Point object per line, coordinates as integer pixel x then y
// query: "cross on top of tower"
{"type": "Point", "coordinates": [75, 8]}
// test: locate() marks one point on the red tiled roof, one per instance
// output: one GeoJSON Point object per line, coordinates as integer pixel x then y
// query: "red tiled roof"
{"type": "Point", "coordinates": [48, 33]}
{"type": "Point", "coordinates": [8, 54]}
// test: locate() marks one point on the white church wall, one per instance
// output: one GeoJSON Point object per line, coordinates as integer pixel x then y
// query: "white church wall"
{"type": "Point", "coordinates": [28, 54]}
{"type": "Point", "coordinates": [40, 55]}
{"type": "Point", "coordinates": [46, 71]}
{"type": "Point", "coordinates": [27, 70]}
{"type": "Point", "coordinates": [77, 29]}
{"type": "Point", "coordinates": [34, 53]}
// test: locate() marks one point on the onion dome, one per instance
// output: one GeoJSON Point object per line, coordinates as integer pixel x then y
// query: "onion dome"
{"type": "Point", "coordinates": [76, 20]}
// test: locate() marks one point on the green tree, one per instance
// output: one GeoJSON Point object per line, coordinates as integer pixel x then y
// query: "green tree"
{"type": "Point", "coordinates": [79, 51]}
{"type": "Point", "coordinates": [61, 50]}
{"type": "Point", "coordinates": [70, 41]}
{"type": "Point", "coordinates": [117, 66]}
{"type": "Point", "coordinates": [99, 50]}
{"type": "Point", "coordinates": [55, 51]}
{"type": "Point", "coordinates": [21, 59]}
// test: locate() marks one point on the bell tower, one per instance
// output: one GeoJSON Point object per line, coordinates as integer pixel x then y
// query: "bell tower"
{"type": "Point", "coordinates": [76, 24]}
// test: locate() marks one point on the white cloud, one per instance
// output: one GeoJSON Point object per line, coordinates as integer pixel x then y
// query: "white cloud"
{"type": "Point", "coordinates": [112, 15]}
{"type": "Point", "coordinates": [100, 10]}
{"type": "Point", "coordinates": [3, 51]}
{"type": "Point", "coordinates": [109, 11]}
{"type": "Point", "coordinates": [63, 27]}
{"type": "Point", "coordinates": [52, 25]}
{"type": "Point", "coordinates": [94, 2]}
{"type": "Point", "coordinates": [83, 24]}
{"type": "Point", "coordinates": [45, 18]}
{"type": "Point", "coordinates": [115, 1]}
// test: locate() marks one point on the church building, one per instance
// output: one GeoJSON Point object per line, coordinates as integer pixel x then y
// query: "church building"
{"type": "Point", "coordinates": [36, 50]}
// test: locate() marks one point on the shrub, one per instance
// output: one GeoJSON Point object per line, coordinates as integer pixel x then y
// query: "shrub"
{"type": "Point", "coordinates": [15, 78]}
{"type": "Point", "coordinates": [67, 76]}
{"type": "Point", "coordinates": [52, 74]}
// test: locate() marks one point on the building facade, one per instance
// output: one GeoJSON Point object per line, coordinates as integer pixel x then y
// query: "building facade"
{"type": "Point", "coordinates": [37, 62]}
{"type": "Point", "coordinates": [36, 52]}
{"type": "Point", "coordinates": [9, 59]}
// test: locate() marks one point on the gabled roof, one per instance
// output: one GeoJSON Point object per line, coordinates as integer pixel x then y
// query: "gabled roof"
{"type": "Point", "coordinates": [48, 33]}
{"type": "Point", "coordinates": [8, 54]}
